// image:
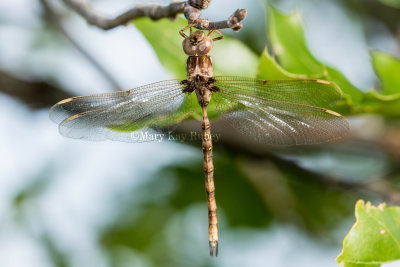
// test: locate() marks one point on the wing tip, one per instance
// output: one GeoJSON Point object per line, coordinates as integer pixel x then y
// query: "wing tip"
{"type": "Point", "coordinates": [65, 101]}
{"type": "Point", "coordinates": [70, 118]}
{"type": "Point", "coordinates": [324, 81]}
{"type": "Point", "coordinates": [333, 113]}
{"type": "Point", "coordinates": [52, 114]}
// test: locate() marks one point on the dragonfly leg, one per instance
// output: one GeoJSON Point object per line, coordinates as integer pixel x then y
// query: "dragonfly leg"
{"type": "Point", "coordinates": [189, 26]}
{"type": "Point", "coordinates": [188, 86]}
{"type": "Point", "coordinates": [216, 38]}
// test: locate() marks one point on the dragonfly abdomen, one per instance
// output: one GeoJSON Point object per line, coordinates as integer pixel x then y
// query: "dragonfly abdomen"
{"type": "Point", "coordinates": [209, 181]}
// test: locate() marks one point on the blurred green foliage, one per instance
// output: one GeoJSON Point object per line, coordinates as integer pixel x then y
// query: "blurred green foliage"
{"type": "Point", "coordinates": [166, 42]}
{"type": "Point", "coordinates": [288, 44]}
{"type": "Point", "coordinates": [392, 3]}
{"type": "Point", "coordinates": [148, 230]}
{"type": "Point", "coordinates": [248, 196]}
{"type": "Point", "coordinates": [290, 50]}
{"type": "Point", "coordinates": [387, 68]}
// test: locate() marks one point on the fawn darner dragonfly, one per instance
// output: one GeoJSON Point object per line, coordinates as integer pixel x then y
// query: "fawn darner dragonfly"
{"type": "Point", "coordinates": [277, 112]}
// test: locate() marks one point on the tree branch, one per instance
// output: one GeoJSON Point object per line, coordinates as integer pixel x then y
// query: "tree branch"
{"type": "Point", "coordinates": [191, 9]}
{"type": "Point", "coordinates": [35, 94]}
{"type": "Point", "coordinates": [234, 22]}
{"type": "Point", "coordinates": [379, 187]}
{"type": "Point", "coordinates": [154, 12]}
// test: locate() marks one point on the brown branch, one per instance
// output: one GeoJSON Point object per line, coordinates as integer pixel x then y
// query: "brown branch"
{"type": "Point", "coordinates": [191, 9]}
{"type": "Point", "coordinates": [154, 12]}
{"type": "Point", "coordinates": [379, 187]}
{"type": "Point", "coordinates": [35, 94]}
{"type": "Point", "coordinates": [199, 4]}
{"type": "Point", "coordinates": [53, 18]}
{"type": "Point", "coordinates": [383, 189]}
{"type": "Point", "coordinates": [234, 22]}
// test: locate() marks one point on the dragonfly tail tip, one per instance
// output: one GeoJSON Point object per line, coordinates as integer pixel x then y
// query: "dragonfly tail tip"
{"type": "Point", "coordinates": [213, 247]}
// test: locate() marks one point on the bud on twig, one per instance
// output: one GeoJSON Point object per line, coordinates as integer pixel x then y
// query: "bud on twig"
{"type": "Point", "coordinates": [199, 4]}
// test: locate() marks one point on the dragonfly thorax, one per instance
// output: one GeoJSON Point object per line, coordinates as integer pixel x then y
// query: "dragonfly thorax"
{"type": "Point", "coordinates": [202, 86]}
{"type": "Point", "coordinates": [197, 44]}
{"type": "Point", "coordinates": [199, 66]}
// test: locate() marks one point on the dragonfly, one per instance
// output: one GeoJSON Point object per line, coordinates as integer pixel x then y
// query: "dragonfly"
{"type": "Point", "coordinates": [274, 112]}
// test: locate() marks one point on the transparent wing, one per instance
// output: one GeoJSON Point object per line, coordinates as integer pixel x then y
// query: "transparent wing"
{"type": "Point", "coordinates": [280, 112]}
{"type": "Point", "coordinates": [310, 92]}
{"type": "Point", "coordinates": [116, 115]}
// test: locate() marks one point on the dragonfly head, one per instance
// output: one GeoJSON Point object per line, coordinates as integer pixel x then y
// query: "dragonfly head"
{"type": "Point", "coordinates": [196, 37]}
{"type": "Point", "coordinates": [197, 44]}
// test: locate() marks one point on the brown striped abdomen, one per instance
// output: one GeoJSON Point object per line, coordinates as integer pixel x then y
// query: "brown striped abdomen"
{"type": "Point", "coordinates": [209, 181]}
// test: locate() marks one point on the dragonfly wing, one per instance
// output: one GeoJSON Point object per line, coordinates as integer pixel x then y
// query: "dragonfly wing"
{"type": "Point", "coordinates": [312, 92]}
{"type": "Point", "coordinates": [116, 115]}
{"type": "Point", "coordinates": [275, 121]}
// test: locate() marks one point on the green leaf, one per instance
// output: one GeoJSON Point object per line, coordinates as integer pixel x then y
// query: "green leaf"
{"type": "Point", "coordinates": [387, 67]}
{"type": "Point", "coordinates": [359, 265]}
{"type": "Point", "coordinates": [164, 37]}
{"type": "Point", "coordinates": [269, 69]}
{"type": "Point", "coordinates": [392, 3]}
{"type": "Point", "coordinates": [232, 57]}
{"type": "Point", "coordinates": [386, 105]}
{"type": "Point", "coordinates": [285, 33]}
{"type": "Point", "coordinates": [289, 46]}
{"type": "Point", "coordinates": [375, 237]}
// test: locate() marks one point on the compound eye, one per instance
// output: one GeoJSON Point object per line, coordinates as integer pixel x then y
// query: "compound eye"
{"type": "Point", "coordinates": [205, 46]}
{"type": "Point", "coordinates": [188, 47]}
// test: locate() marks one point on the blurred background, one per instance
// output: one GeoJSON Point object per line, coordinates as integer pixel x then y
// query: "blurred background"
{"type": "Point", "coordinates": [67, 202]}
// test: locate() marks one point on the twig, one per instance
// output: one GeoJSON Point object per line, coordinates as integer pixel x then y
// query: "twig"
{"type": "Point", "coordinates": [35, 94]}
{"type": "Point", "coordinates": [383, 189]}
{"type": "Point", "coordinates": [234, 21]}
{"type": "Point", "coordinates": [191, 9]}
{"type": "Point", "coordinates": [154, 12]}
{"type": "Point", "coordinates": [199, 4]}
{"type": "Point", "coordinates": [378, 187]}
{"type": "Point", "coordinates": [53, 18]}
